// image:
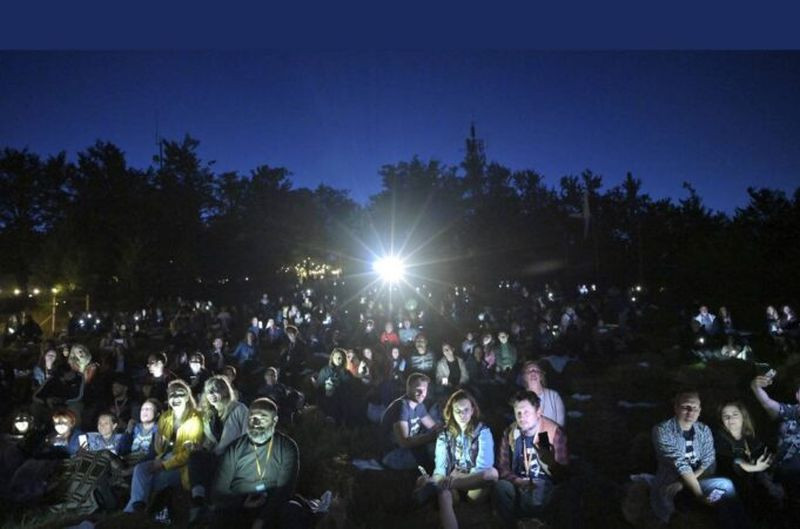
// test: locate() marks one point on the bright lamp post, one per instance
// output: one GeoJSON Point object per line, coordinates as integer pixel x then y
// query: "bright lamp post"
{"type": "Point", "coordinates": [391, 269]}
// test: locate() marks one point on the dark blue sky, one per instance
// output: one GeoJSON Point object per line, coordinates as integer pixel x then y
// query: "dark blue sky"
{"type": "Point", "coordinates": [720, 120]}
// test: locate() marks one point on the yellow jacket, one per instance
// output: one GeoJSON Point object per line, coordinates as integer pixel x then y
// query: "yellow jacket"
{"type": "Point", "coordinates": [189, 437]}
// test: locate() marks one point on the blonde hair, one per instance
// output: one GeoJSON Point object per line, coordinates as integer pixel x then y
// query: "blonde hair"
{"type": "Point", "coordinates": [220, 383]}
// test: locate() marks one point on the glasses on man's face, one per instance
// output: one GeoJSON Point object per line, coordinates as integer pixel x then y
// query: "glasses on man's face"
{"type": "Point", "coordinates": [688, 408]}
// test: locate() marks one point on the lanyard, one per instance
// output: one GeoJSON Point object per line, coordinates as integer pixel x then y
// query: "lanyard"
{"type": "Point", "coordinates": [528, 461]}
{"type": "Point", "coordinates": [258, 464]}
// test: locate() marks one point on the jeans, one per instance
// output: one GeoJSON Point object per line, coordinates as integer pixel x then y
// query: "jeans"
{"type": "Point", "coordinates": [513, 503]}
{"type": "Point", "coordinates": [144, 482]}
{"type": "Point", "coordinates": [729, 510]}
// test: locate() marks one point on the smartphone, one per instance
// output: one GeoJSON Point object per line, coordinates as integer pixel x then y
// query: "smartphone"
{"type": "Point", "coordinates": [422, 471]}
{"type": "Point", "coordinates": [762, 369]}
{"type": "Point", "coordinates": [83, 441]}
{"type": "Point", "coordinates": [544, 441]}
{"type": "Point", "coordinates": [716, 495]}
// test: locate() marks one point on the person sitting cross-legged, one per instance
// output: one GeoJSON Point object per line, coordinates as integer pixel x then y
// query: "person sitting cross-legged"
{"type": "Point", "coordinates": [464, 458]}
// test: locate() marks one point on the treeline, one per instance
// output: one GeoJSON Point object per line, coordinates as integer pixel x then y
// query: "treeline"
{"type": "Point", "coordinates": [180, 228]}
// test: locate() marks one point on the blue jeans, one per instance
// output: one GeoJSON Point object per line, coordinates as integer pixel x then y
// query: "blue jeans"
{"type": "Point", "coordinates": [145, 482]}
{"type": "Point", "coordinates": [729, 509]}
{"type": "Point", "coordinates": [513, 503]}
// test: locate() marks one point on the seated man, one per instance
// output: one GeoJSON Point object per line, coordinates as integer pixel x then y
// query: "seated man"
{"type": "Point", "coordinates": [704, 321]}
{"type": "Point", "coordinates": [686, 460]}
{"type": "Point", "coordinates": [531, 458]}
{"type": "Point", "coordinates": [405, 417]}
{"type": "Point", "coordinates": [106, 437]}
{"type": "Point", "coordinates": [257, 476]}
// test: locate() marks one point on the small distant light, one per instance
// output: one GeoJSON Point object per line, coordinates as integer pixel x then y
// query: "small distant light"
{"type": "Point", "coordinates": [17, 292]}
{"type": "Point", "coordinates": [54, 290]}
{"type": "Point", "coordinates": [638, 288]}
{"type": "Point", "coordinates": [36, 291]}
{"type": "Point", "coordinates": [247, 279]}
{"type": "Point", "coordinates": [633, 298]}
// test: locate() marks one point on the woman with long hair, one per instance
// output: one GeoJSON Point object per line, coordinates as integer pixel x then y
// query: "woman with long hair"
{"type": "Point", "coordinates": [743, 458]}
{"type": "Point", "coordinates": [180, 431]}
{"type": "Point", "coordinates": [464, 458]}
{"type": "Point", "coordinates": [224, 421]}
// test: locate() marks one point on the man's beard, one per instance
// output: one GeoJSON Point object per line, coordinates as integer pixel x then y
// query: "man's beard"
{"type": "Point", "coordinates": [260, 435]}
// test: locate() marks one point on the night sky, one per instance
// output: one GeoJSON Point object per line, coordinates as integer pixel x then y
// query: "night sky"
{"type": "Point", "coordinates": [720, 120]}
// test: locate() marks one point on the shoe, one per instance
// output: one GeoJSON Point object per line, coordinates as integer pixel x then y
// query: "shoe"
{"type": "Point", "coordinates": [424, 493]}
{"type": "Point", "coordinates": [163, 517]}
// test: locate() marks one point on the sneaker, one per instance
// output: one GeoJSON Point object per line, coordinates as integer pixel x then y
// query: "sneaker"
{"type": "Point", "coordinates": [163, 517]}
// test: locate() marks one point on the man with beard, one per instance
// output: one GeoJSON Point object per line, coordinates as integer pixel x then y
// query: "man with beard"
{"type": "Point", "coordinates": [257, 476]}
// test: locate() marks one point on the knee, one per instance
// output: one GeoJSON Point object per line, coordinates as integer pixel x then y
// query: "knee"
{"type": "Point", "coordinates": [490, 474]}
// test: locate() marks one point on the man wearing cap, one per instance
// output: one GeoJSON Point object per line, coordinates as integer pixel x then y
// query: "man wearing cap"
{"type": "Point", "coordinates": [257, 476]}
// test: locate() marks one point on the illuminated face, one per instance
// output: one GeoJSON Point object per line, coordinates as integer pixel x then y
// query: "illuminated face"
{"type": "Point", "coordinates": [732, 419]}
{"type": "Point", "coordinates": [419, 391]}
{"type": "Point", "coordinates": [62, 425]}
{"type": "Point", "coordinates": [367, 353]}
{"type": "Point", "coordinates": [703, 310]}
{"type": "Point", "coordinates": [50, 358]}
{"type": "Point", "coordinates": [395, 353]}
{"type": "Point", "coordinates": [526, 415]}
{"type": "Point", "coordinates": [147, 413]}
{"type": "Point", "coordinates": [532, 376]}
{"type": "Point", "coordinates": [261, 425]}
{"type": "Point", "coordinates": [22, 424]}
{"type": "Point", "coordinates": [447, 351]}
{"type": "Point", "coordinates": [462, 412]}
{"type": "Point", "coordinates": [216, 393]}
{"type": "Point", "coordinates": [388, 327]}
{"type": "Point", "coordinates": [195, 365]}
{"type": "Point", "coordinates": [687, 410]}
{"type": "Point", "coordinates": [503, 337]}
{"type": "Point", "coordinates": [155, 366]}
{"type": "Point", "coordinates": [350, 354]}
{"type": "Point", "coordinates": [421, 344]}
{"type": "Point", "coordinates": [270, 377]}
{"type": "Point", "coordinates": [337, 358]}
{"type": "Point", "coordinates": [105, 425]}
{"type": "Point", "coordinates": [217, 343]}
{"type": "Point", "coordinates": [177, 397]}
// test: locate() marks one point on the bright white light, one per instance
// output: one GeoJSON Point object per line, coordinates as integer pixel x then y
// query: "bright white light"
{"type": "Point", "coordinates": [391, 269]}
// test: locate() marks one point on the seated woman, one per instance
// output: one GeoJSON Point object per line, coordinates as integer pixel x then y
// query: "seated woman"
{"type": "Point", "coordinates": [333, 380]}
{"type": "Point", "coordinates": [196, 373]}
{"type": "Point", "coordinates": [534, 379]}
{"type": "Point", "coordinates": [464, 458]}
{"type": "Point", "coordinates": [224, 421]}
{"type": "Point", "coordinates": [745, 460]}
{"type": "Point", "coordinates": [142, 433]}
{"type": "Point", "coordinates": [451, 371]}
{"type": "Point", "coordinates": [180, 430]}
{"type": "Point", "coordinates": [47, 365]}
{"type": "Point", "coordinates": [63, 442]}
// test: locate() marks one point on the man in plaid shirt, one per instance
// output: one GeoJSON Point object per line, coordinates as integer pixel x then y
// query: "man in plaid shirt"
{"type": "Point", "coordinates": [531, 458]}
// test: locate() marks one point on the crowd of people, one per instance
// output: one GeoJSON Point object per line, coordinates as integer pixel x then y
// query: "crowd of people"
{"type": "Point", "coordinates": [128, 410]}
